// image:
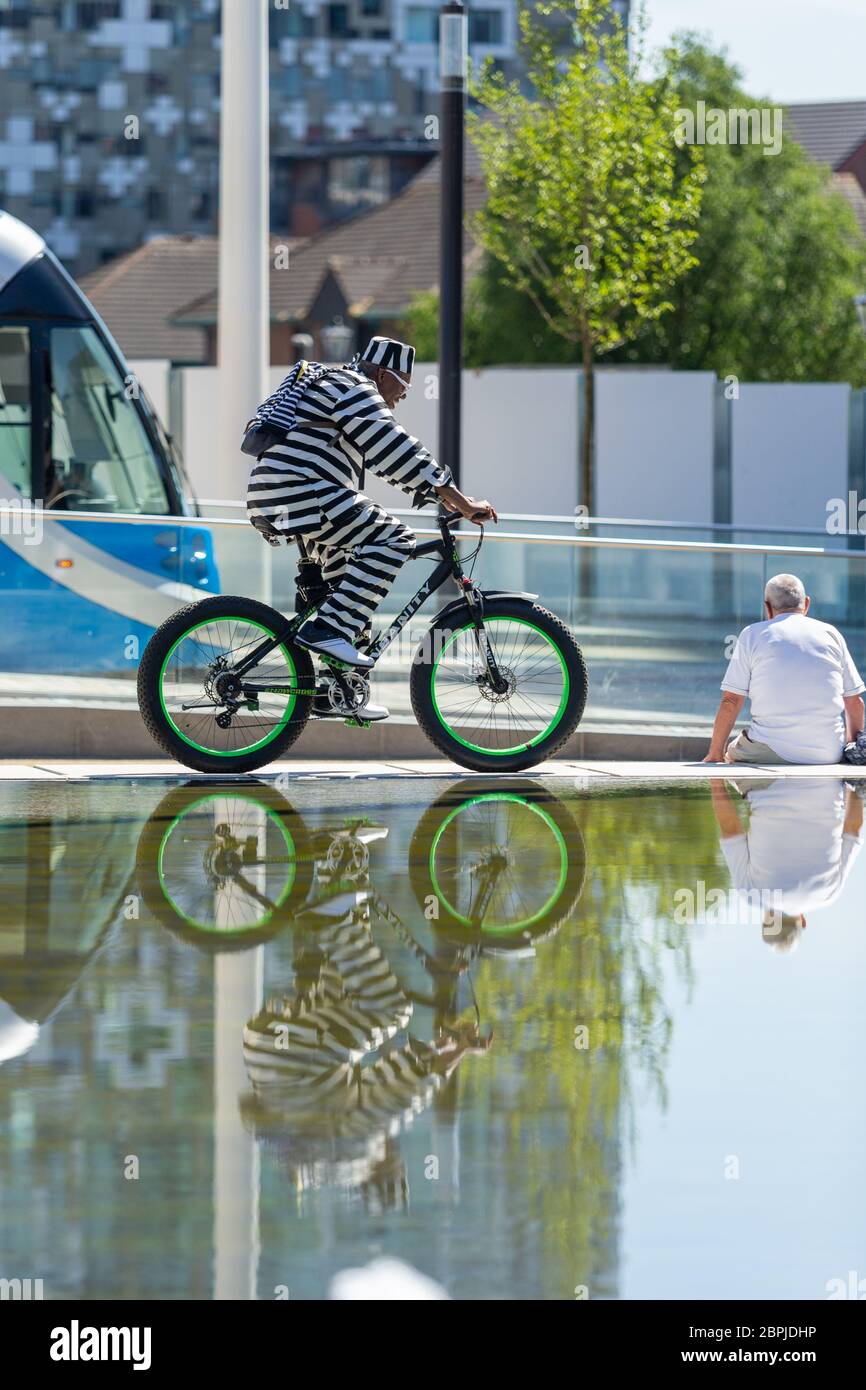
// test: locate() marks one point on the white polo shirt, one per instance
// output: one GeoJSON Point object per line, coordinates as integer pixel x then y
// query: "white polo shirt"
{"type": "Point", "coordinates": [795, 671]}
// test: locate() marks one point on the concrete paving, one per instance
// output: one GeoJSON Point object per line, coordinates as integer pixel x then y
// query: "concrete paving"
{"type": "Point", "coordinates": [300, 769]}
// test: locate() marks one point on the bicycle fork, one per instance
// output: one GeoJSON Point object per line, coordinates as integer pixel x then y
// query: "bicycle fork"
{"type": "Point", "coordinates": [475, 602]}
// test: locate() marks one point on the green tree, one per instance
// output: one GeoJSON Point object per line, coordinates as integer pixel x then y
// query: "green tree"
{"type": "Point", "coordinates": [590, 212]}
{"type": "Point", "coordinates": [779, 254]}
{"type": "Point", "coordinates": [500, 324]}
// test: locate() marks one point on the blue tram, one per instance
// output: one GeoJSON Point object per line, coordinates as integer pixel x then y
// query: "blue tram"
{"type": "Point", "coordinates": [78, 436]}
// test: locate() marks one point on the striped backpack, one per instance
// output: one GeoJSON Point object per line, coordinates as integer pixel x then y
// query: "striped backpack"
{"type": "Point", "coordinates": [276, 416]}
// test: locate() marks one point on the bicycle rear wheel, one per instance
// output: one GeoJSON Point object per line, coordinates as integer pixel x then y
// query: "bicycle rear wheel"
{"type": "Point", "coordinates": [224, 867]}
{"type": "Point", "coordinates": [190, 702]}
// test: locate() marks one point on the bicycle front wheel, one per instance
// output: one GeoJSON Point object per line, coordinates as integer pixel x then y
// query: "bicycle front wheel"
{"type": "Point", "coordinates": [192, 704]}
{"type": "Point", "coordinates": [513, 728]}
{"type": "Point", "coordinates": [505, 862]}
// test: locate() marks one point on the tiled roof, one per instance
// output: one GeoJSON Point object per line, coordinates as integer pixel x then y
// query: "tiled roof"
{"type": "Point", "coordinates": [159, 300]}
{"type": "Point", "coordinates": [381, 258]}
{"type": "Point", "coordinates": [138, 294]}
{"type": "Point", "coordinates": [829, 130]}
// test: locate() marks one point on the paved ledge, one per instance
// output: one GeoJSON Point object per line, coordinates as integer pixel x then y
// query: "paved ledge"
{"type": "Point", "coordinates": [565, 770]}
{"type": "Point", "coordinates": [39, 731]}
{"type": "Point", "coordinates": [44, 735]}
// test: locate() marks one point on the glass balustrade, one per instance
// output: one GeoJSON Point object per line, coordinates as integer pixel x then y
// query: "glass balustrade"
{"type": "Point", "coordinates": [656, 615]}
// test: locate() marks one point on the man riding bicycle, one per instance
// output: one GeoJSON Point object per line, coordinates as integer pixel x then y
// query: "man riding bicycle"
{"type": "Point", "coordinates": [335, 422]}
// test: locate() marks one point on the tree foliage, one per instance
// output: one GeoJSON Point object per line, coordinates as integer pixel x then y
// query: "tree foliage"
{"type": "Point", "coordinates": [779, 256]}
{"type": "Point", "coordinates": [589, 209]}
{"type": "Point", "coordinates": [590, 212]}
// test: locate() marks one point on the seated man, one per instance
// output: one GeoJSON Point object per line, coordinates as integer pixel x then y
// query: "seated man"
{"type": "Point", "coordinates": [804, 689]}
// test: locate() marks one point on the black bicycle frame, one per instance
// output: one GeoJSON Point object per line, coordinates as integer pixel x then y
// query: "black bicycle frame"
{"type": "Point", "coordinates": [449, 567]}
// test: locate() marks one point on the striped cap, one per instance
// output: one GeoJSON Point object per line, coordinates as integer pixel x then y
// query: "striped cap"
{"type": "Point", "coordinates": [387, 352]}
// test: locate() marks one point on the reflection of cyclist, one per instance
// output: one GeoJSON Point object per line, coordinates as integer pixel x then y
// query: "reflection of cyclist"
{"type": "Point", "coordinates": [308, 487]}
{"type": "Point", "coordinates": [336, 1059]}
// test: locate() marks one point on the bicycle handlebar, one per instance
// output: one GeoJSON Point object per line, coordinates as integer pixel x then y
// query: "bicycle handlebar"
{"type": "Point", "coordinates": [447, 523]}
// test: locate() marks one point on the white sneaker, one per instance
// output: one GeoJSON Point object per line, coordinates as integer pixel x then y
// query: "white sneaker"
{"type": "Point", "coordinates": [323, 709]}
{"type": "Point", "coordinates": [372, 712]}
{"type": "Point", "coordinates": [318, 637]}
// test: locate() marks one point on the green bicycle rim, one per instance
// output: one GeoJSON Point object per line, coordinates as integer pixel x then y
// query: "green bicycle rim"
{"type": "Point", "coordinates": [563, 864]}
{"type": "Point", "coordinates": [218, 752]}
{"type": "Point", "coordinates": [204, 926]}
{"type": "Point", "coordinates": [517, 747]}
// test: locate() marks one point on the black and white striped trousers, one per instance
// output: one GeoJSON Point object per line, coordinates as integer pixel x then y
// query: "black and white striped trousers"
{"type": "Point", "coordinates": [361, 549]}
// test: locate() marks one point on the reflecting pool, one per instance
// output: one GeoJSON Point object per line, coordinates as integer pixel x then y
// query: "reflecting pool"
{"type": "Point", "coordinates": [538, 1039]}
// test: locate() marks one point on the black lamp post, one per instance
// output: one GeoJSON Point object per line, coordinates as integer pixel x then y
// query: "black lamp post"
{"type": "Point", "coordinates": [452, 76]}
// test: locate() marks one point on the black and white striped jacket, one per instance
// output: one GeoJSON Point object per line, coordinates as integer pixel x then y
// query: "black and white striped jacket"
{"type": "Point", "coordinates": [343, 426]}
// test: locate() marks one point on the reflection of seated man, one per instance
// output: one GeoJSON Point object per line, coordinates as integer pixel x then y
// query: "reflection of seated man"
{"type": "Point", "coordinates": [799, 848]}
{"type": "Point", "coordinates": [333, 1065]}
{"type": "Point", "coordinates": [803, 687]}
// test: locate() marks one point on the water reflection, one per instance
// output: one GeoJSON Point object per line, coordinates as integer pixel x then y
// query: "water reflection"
{"type": "Point", "coordinates": [228, 868]}
{"type": "Point", "coordinates": [339, 1066]}
{"type": "Point", "coordinates": [792, 852]}
{"type": "Point", "coordinates": [224, 868]}
{"type": "Point", "coordinates": [435, 1020]}
{"type": "Point", "coordinates": [347, 1057]}
{"type": "Point", "coordinates": [43, 951]}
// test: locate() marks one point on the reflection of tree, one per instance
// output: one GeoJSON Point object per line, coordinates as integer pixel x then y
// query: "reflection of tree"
{"type": "Point", "coordinates": [70, 953]}
{"type": "Point", "coordinates": [559, 1133]}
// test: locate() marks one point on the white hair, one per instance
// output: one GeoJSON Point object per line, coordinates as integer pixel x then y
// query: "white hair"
{"type": "Point", "coordinates": [785, 593]}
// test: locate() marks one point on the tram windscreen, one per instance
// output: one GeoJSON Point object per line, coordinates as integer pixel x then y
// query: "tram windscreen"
{"type": "Point", "coordinates": [15, 411]}
{"type": "Point", "coordinates": [102, 458]}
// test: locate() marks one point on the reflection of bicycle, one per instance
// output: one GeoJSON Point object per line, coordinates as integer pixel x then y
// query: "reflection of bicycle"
{"type": "Point", "coordinates": [506, 865]}
{"type": "Point", "coordinates": [224, 868]}
{"type": "Point", "coordinates": [229, 867]}
{"type": "Point", "coordinates": [498, 682]}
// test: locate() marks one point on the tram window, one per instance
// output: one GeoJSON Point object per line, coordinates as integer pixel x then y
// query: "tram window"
{"type": "Point", "coordinates": [101, 457]}
{"type": "Point", "coordinates": [15, 410]}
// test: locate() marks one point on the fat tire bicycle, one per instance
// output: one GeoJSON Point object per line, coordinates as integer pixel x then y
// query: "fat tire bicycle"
{"type": "Point", "coordinates": [497, 684]}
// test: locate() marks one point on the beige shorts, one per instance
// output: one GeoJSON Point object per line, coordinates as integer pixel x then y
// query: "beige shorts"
{"type": "Point", "coordinates": [743, 749]}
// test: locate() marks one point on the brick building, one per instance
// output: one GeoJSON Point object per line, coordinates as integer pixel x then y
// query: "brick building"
{"type": "Point", "coordinates": [109, 112]}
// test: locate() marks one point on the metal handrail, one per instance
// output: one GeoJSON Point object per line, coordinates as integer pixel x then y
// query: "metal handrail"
{"type": "Point", "coordinates": [579, 523]}
{"type": "Point", "coordinates": [593, 542]}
